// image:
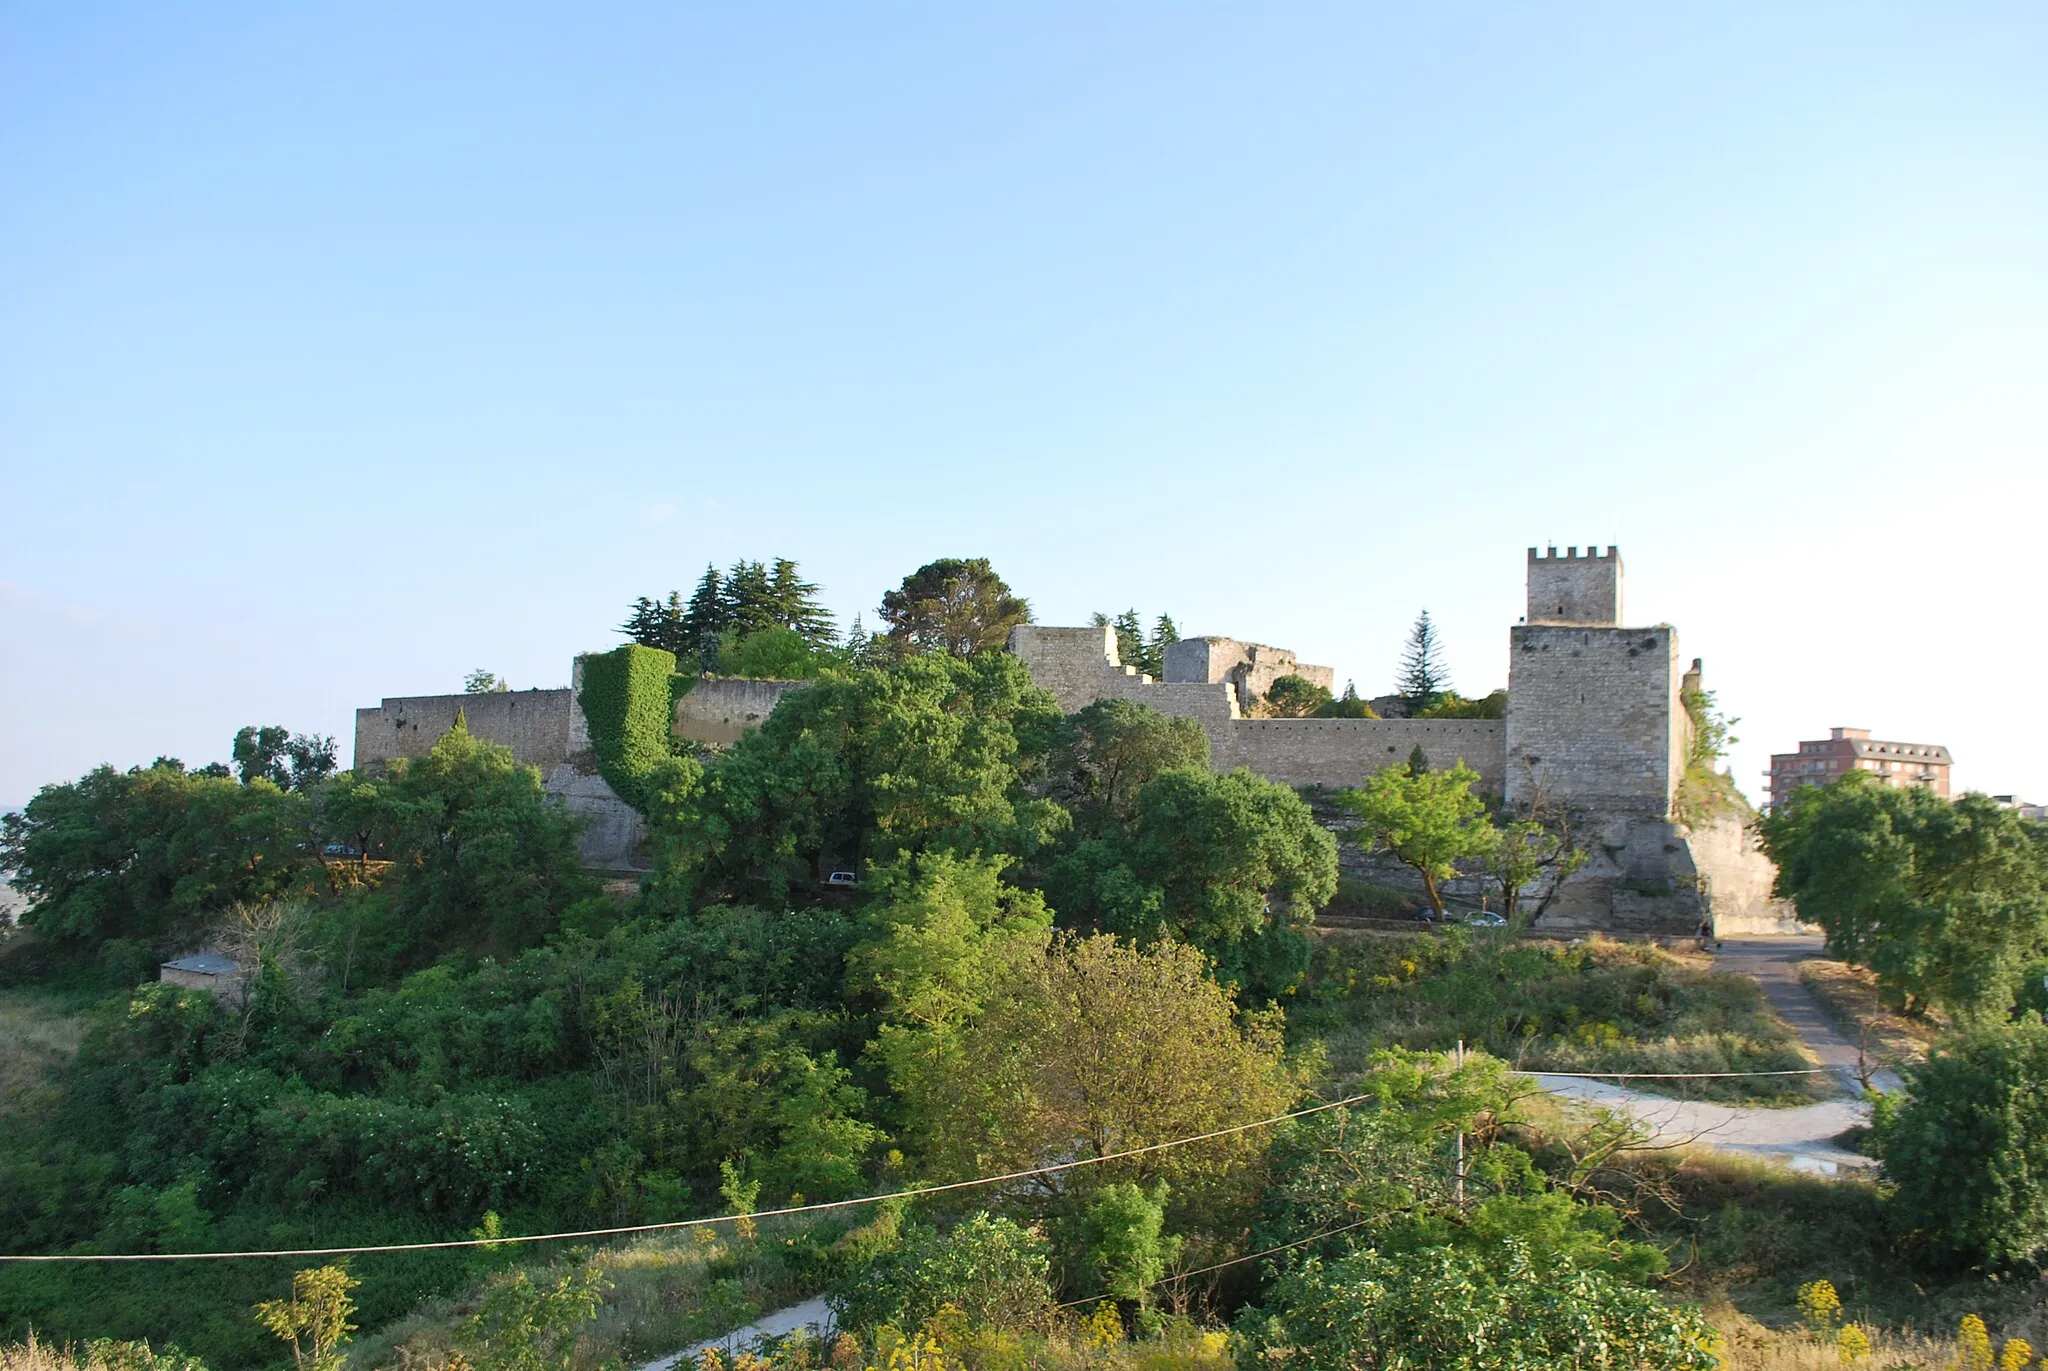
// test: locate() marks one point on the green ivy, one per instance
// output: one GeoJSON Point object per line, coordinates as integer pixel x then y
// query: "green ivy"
{"type": "Point", "coordinates": [628, 701]}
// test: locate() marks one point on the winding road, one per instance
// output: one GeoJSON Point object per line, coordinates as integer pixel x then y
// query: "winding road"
{"type": "Point", "coordinates": [1802, 1137]}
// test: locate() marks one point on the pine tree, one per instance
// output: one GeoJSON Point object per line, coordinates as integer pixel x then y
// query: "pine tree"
{"type": "Point", "coordinates": [1164, 635]}
{"type": "Point", "coordinates": [796, 604]}
{"type": "Point", "coordinates": [747, 599]}
{"type": "Point", "coordinates": [702, 621]}
{"type": "Point", "coordinates": [1423, 680]}
{"type": "Point", "coordinates": [1130, 639]}
{"type": "Point", "coordinates": [656, 623]}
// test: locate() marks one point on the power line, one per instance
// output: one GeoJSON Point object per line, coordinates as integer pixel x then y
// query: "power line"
{"type": "Point", "coordinates": [822, 1206]}
{"type": "Point", "coordinates": [673, 1224]}
{"type": "Point", "coordinates": [1234, 1261]}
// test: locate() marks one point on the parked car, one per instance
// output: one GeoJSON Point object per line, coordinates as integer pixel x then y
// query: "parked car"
{"type": "Point", "coordinates": [1427, 915]}
{"type": "Point", "coordinates": [1486, 918]}
{"type": "Point", "coordinates": [845, 878]}
{"type": "Point", "coordinates": [340, 850]}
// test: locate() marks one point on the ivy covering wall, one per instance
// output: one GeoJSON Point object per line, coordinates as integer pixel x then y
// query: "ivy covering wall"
{"type": "Point", "coordinates": [628, 701]}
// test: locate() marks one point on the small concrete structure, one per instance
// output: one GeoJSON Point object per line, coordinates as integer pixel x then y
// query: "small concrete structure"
{"type": "Point", "coordinates": [220, 977]}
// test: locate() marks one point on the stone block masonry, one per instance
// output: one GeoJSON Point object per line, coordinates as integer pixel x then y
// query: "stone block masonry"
{"type": "Point", "coordinates": [535, 724]}
{"type": "Point", "coordinates": [1594, 721]}
{"type": "Point", "coordinates": [1575, 590]}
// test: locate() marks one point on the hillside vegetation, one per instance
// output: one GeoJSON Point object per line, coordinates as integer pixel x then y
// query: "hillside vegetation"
{"type": "Point", "coordinates": [1070, 942]}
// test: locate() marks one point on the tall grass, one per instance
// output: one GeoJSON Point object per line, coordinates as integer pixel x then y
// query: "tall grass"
{"type": "Point", "coordinates": [1590, 1006]}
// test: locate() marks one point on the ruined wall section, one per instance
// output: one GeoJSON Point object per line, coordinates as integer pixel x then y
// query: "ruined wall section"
{"type": "Point", "coordinates": [1592, 718]}
{"type": "Point", "coordinates": [1251, 667]}
{"type": "Point", "coordinates": [535, 724]}
{"type": "Point", "coordinates": [1575, 590]}
{"type": "Point", "coordinates": [1344, 752]}
{"type": "Point", "coordinates": [719, 709]}
{"type": "Point", "coordinates": [1080, 666]}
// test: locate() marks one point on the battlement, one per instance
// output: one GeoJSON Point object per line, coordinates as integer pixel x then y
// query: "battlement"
{"type": "Point", "coordinates": [1575, 589]}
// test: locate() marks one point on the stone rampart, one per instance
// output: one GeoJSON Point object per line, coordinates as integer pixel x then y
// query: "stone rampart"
{"type": "Point", "coordinates": [1344, 752]}
{"type": "Point", "coordinates": [1594, 722]}
{"type": "Point", "coordinates": [535, 724]}
{"type": "Point", "coordinates": [1080, 666]}
{"type": "Point", "coordinates": [719, 709]}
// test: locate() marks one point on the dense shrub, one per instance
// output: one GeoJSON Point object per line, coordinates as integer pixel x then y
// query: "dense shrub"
{"type": "Point", "coordinates": [991, 1269]}
{"type": "Point", "coordinates": [1968, 1150]}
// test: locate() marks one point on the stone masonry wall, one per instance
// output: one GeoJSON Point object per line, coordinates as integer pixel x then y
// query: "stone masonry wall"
{"type": "Point", "coordinates": [1575, 590]}
{"type": "Point", "coordinates": [535, 724]}
{"type": "Point", "coordinates": [720, 709]}
{"type": "Point", "coordinates": [1343, 752]}
{"type": "Point", "coordinates": [1080, 666]}
{"type": "Point", "coordinates": [1590, 722]}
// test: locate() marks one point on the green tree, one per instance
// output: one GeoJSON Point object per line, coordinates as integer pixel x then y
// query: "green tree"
{"type": "Point", "coordinates": [1296, 697]}
{"type": "Point", "coordinates": [1124, 1242]}
{"type": "Point", "coordinates": [1528, 850]}
{"type": "Point", "coordinates": [1447, 1309]}
{"type": "Point", "coordinates": [652, 623]}
{"type": "Point", "coordinates": [994, 1271]}
{"type": "Point", "coordinates": [524, 1326]}
{"type": "Point", "coordinates": [937, 930]}
{"type": "Point", "coordinates": [1110, 750]}
{"type": "Point", "coordinates": [933, 753]}
{"type": "Point", "coordinates": [1454, 706]}
{"type": "Point", "coordinates": [478, 849]}
{"type": "Point", "coordinates": [146, 854]}
{"type": "Point", "coordinates": [1428, 820]}
{"type": "Point", "coordinates": [1130, 640]}
{"type": "Point", "coordinates": [1347, 706]}
{"type": "Point", "coordinates": [290, 761]}
{"type": "Point", "coordinates": [1164, 636]}
{"type": "Point", "coordinates": [1968, 1149]}
{"type": "Point", "coordinates": [1423, 679]}
{"type": "Point", "coordinates": [1946, 902]}
{"type": "Point", "coordinates": [778, 653]}
{"type": "Point", "coordinates": [1234, 864]}
{"type": "Point", "coordinates": [953, 605]}
{"type": "Point", "coordinates": [1097, 1047]}
{"type": "Point", "coordinates": [701, 624]}
{"type": "Point", "coordinates": [481, 682]}
{"type": "Point", "coordinates": [315, 1319]}
{"type": "Point", "coordinates": [796, 605]}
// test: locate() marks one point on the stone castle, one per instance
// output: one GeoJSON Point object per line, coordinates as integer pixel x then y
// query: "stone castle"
{"type": "Point", "coordinates": [1595, 729]}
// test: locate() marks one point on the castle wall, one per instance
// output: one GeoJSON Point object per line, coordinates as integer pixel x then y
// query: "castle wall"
{"type": "Point", "coordinates": [1575, 590]}
{"type": "Point", "coordinates": [1080, 666]}
{"type": "Point", "coordinates": [535, 724]}
{"type": "Point", "coordinates": [1251, 667]}
{"type": "Point", "coordinates": [1594, 720]}
{"type": "Point", "coordinates": [1344, 752]}
{"type": "Point", "coordinates": [718, 710]}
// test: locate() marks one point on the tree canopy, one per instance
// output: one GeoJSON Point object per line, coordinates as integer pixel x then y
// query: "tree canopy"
{"type": "Point", "coordinates": [1429, 821]}
{"type": "Point", "coordinates": [958, 606]}
{"type": "Point", "coordinates": [1946, 902]}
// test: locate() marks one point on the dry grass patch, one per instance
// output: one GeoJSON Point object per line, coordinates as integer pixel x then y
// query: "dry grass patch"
{"type": "Point", "coordinates": [38, 1035]}
{"type": "Point", "coordinates": [1849, 995]}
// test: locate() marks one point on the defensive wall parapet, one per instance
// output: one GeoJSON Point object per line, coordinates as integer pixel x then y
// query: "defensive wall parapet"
{"type": "Point", "coordinates": [1344, 752]}
{"type": "Point", "coordinates": [1080, 666]}
{"type": "Point", "coordinates": [535, 724]}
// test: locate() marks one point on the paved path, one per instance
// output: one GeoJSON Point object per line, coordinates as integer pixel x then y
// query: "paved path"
{"type": "Point", "coordinates": [813, 1314]}
{"type": "Point", "coordinates": [1804, 1137]}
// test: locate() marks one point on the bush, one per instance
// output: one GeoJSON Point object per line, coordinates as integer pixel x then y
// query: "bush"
{"type": "Point", "coordinates": [1968, 1150]}
{"type": "Point", "coordinates": [1446, 1310]}
{"type": "Point", "coordinates": [992, 1270]}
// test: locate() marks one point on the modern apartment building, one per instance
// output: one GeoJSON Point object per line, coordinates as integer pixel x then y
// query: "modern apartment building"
{"type": "Point", "coordinates": [1853, 749]}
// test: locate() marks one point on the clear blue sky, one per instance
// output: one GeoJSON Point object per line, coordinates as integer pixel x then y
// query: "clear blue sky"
{"type": "Point", "coordinates": [344, 349]}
